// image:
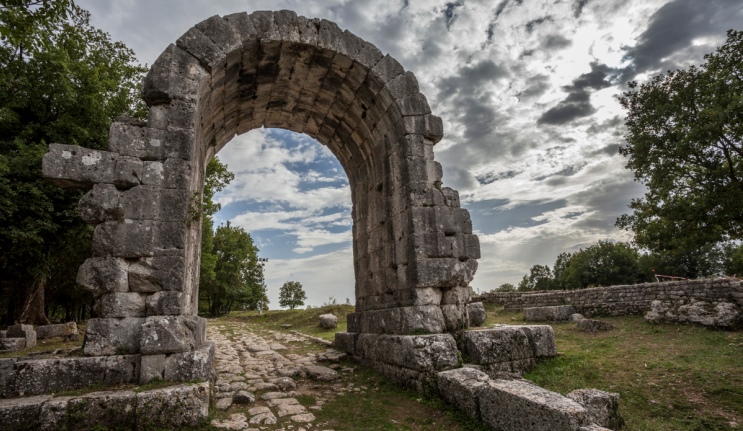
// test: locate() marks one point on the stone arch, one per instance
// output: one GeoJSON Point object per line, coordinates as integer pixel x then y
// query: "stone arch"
{"type": "Point", "coordinates": [414, 251]}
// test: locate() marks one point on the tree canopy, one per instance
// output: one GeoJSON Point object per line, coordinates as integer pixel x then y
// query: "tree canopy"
{"type": "Point", "coordinates": [685, 143]}
{"type": "Point", "coordinates": [292, 295]}
{"type": "Point", "coordinates": [231, 274]}
{"type": "Point", "coordinates": [61, 80]}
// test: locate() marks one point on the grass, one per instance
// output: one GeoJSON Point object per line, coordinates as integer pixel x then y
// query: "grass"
{"type": "Point", "coordinates": [670, 377]}
{"type": "Point", "coordinates": [305, 321]}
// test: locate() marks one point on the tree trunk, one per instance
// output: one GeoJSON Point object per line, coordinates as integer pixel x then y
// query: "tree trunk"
{"type": "Point", "coordinates": [32, 312]}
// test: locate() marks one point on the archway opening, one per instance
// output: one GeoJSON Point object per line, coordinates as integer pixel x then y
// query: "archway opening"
{"type": "Point", "coordinates": [292, 195]}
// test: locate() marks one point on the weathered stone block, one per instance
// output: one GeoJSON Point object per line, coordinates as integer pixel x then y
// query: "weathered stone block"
{"type": "Point", "coordinates": [101, 275]}
{"type": "Point", "coordinates": [27, 332]}
{"type": "Point", "coordinates": [173, 407]}
{"type": "Point", "coordinates": [152, 368]}
{"type": "Point", "coordinates": [165, 304]}
{"type": "Point", "coordinates": [112, 336]}
{"type": "Point", "coordinates": [190, 366]}
{"type": "Point", "coordinates": [602, 407]}
{"type": "Point", "coordinates": [557, 313]}
{"type": "Point", "coordinates": [128, 172]}
{"type": "Point", "coordinates": [127, 238]}
{"type": "Point", "coordinates": [53, 415]}
{"type": "Point", "coordinates": [476, 312]}
{"type": "Point", "coordinates": [172, 334]}
{"type": "Point", "coordinates": [435, 352]}
{"type": "Point", "coordinates": [444, 272]}
{"type": "Point", "coordinates": [130, 304]}
{"type": "Point", "coordinates": [506, 347]}
{"type": "Point", "coordinates": [346, 342]}
{"type": "Point", "coordinates": [201, 47]}
{"type": "Point", "coordinates": [153, 274]}
{"type": "Point", "coordinates": [61, 330]}
{"type": "Point", "coordinates": [328, 321]}
{"type": "Point", "coordinates": [100, 204]}
{"type": "Point", "coordinates": [41, 376]}
{"type": "Point", "coordinates": [174, 75]}
{"type": "Point", "coordinates": [114, 410]}
{"type": "Point", "coordinates": [73, 166]}
{"type": "Point", "coordinates": [542, 340]}
{"type": "Point", "coordinates": [455, 316]}
{"type": "Point", "coordinates": [12, 344]}
{"type": "Point", "coordinates": [521, 405]}
{"type": "Point", "coordinates": [21, 414]}
{"type": "Point", "coordinates": [462, 388]}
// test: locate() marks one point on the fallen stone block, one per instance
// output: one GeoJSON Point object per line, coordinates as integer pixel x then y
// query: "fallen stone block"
{"type": "Point", "coordinates": [557, 313]}
{"type": "Point", "coordinates": [318, 372]}
{"type": "Point", "coordinates": [26, 332]}
{"type": "Point", "coordinates": [524, 406]}
{"type": "Point", "coordinates": [328, 321]}
{"type": "Point", "coordinates": [476, 311]}
{"type": "Point", "coordinates": [592, 325]}
{"type": "Point", "coordinates": [602, 407]}
{"type": "Point", "coordinates": [61, 330]}
{"type": "Point", "coordinates": [576, 317]}
{"type": "Point", "coordinates": [462, 388]}
{"type": "Point", "coordinates": [504, 348]}
{"type": "Point", "coordinates": [12, 344]}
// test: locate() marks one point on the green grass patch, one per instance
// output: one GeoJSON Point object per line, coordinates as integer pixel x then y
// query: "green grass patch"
{"type": "Point", "coordinates": [304, 321]}
{"type": "Point", "coordinates": [669, 377]}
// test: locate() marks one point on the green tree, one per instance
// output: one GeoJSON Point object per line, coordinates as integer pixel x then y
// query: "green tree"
{"type": "Point", "coordinates": [732, 263]}
{"type": "Point", "coordinates": [602, 264]}
{"type": "Point", "coordinates": [539, 278]}
{"type": "Point", "coordinates": [685, 144]}
{"type": "Point", "coordinates": [292, 295]}
{"type": "Point", "coordinates": [61, 80]}
{"type": "Point", "coordinates": [506, 287]}
{"type": "Point", "coordinates": [560, 264]}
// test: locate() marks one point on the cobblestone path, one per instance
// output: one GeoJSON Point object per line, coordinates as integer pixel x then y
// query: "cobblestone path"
{"type": "Point", "coordinates": [273, 380]}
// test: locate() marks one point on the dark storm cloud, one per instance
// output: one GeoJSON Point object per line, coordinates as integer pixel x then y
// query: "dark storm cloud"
{"type": "Point", "coordinates": [578, 102]}
{"type": "Point", "coordinates": [469, 80]}
{"type": "Point", "coordinates": [449, 12]}
{"type": "Point", "coordinates": [533, 24]}
{"type": "Point", "coordinates": [672, 29]}
{"type": "Point", "coordinates": [608, 200]}
{"type": "Point", "coordinates": [555, 41]}
{"type": "Point", "coordinates": [578, 6]}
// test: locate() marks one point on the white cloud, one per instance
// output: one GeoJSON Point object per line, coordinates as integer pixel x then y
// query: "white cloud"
{"type": "Point", "coordinates": [491, 73]}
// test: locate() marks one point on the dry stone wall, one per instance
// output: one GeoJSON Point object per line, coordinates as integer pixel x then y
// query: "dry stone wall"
{"type": "Point", "coordinates": [624, 300]}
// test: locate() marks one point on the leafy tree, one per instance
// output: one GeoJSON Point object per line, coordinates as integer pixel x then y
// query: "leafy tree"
{"type": "Point", "coordinates": [602, 264]}
{"type": "Point", "coordinates": [61, 80]}
{"type": "Point", "coordinates": [732, 262]}
{"type": "Point", "coordinates": [703, 261]}
{"type": "Point", "coordinates": [539, 278]}
{"type": "Point", "coordinates": [685, 143]}
{"type": "Point", "coordinates": [238, 276]}
{"type": "Point", "coordinates": [506, 287]}
{"type": "Point", "coordinates": [292, 295]}
{"type": "Point", "coordinates": [560, 264]}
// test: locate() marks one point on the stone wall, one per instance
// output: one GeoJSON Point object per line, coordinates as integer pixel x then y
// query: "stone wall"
{"type": "Point", "coordinates": [623, 300]}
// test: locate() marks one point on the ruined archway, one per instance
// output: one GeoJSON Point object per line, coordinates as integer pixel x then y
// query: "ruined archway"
{"type": "Point", "coordinates": [414, 251]}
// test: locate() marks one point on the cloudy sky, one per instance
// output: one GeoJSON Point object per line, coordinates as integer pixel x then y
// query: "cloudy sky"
{"type": "Point", "coordinates": [527, 91]}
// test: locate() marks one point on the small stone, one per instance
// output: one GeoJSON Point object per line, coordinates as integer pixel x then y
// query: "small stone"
{"type": "Point", "coordinates": [223, 403]}
{"type": "Point", "coordinates": [263, 419]}
{"type": "Point", "coordinates": [243, 397]}
{"type": "Point", "coordinates": [303, 418]}
{"type": "Point", "coordinates": [576, 317]}
{"type": "Point", "coordinates": [318, 372]}
{"type": "Point", "coordinates": [477, 313]}
{"type": "Point", "coordinates": [328, 321]}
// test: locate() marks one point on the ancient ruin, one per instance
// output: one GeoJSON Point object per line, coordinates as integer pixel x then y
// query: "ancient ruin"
{"type": "Point", "coordinates": [414, 251]}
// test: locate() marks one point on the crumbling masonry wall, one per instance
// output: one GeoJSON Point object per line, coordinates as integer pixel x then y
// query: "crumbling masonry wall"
{"type": "Point", "coordinates": [414, 251]}
{"type": "Point", "coordinates": [625, 299]}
